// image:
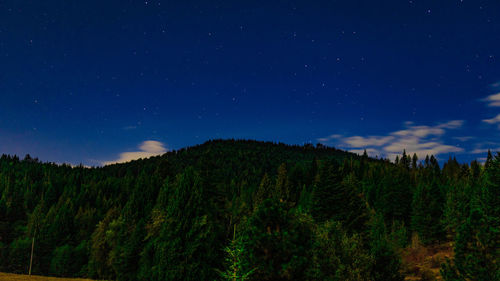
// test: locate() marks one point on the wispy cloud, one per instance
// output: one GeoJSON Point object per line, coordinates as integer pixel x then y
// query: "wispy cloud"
{"type": "Point", "coordinates": [330, 137]}
{"type": "Point", "coordinates": [420, 139]}
{"type": "Point", "coordinates": [358, 141]}
{"type": "Point", "coordinates": [493, 100]}
{"type": "Point", "coordinates": [494, 120]}
{"type": "Point", "coordinates": [483, 147]}
{"type": "Point", "coordinates": [369, 151]}
{"type": "Point", "coordinates": [147, 149]}
{"type": "Point", "coordinates": [453, 124]}
{"type": "Point", "coordinates": [464, 138]}
{"type": "Point", "coordinates": [128, 128]}
{"type": "Point", "coordinates": [482, 150]}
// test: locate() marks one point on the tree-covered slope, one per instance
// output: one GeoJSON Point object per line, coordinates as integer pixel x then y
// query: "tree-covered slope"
{"type": "Point", "coordinates": [238, 210]}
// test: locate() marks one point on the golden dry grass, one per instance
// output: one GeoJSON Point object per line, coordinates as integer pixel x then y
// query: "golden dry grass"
{"type": "Point", "coordinates": [419, 260]}
{"type": "Point", "coordinates": [18, 277]}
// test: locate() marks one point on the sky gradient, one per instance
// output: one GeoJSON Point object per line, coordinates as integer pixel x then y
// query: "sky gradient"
{"type": "Point", "coordinates": [96, 82]}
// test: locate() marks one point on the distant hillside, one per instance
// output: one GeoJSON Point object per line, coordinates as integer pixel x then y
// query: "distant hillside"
{"type": "Point", "coordinates": [232, 157]}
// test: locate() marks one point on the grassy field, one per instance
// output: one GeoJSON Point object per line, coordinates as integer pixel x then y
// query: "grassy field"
{"type": "Point", "coordinates": [17, 277]}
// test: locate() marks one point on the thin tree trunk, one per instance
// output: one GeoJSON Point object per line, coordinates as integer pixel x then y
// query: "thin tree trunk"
{"type": "Point", "coordinates": [31, 258]}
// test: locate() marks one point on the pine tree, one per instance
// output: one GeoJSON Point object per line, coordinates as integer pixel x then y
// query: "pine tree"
{"type": "Point", "coordinates": [277, 242]}
{"type": "Point", "coordinates": [338, 199]}
{"type": "Point", "coordinates": [477, 247]}
{"type": "Point", "coordinates": [427, 212]}
{"type": "Point", "coordinates": [489, 160]}
{"type": "Point", "coordinates": [387, 263]}
{"type": "Point", "coordinates": [185, 248]}
{"type": "Point", "coordinates": [414, 161]}
{"type": "Point", "coordinates": [394, 195]}
{"type": "Point", "coordinates": [355, 216]}
{"type": "Point", "coordinates": [282, 190]}
{"type": "Point", "coordinates": [238, 268]}
{"type": "Point", "coordinates": [325, 198]}
{"type": "Point", "coordinates": [338, 256]}
{"type": "Point", "coordinates": [457, 206]}
{"type": "Point", "coordinates": [476, 250]}
{"type": "Point", "coordinates": [263, 192]}
{"type": "Point", "coordinates": [102, 243]}
{"type": "Point", "coordinates": [405, 160]}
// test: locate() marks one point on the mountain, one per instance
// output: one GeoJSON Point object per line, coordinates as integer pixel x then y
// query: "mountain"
{"type": "Point", "coordinates": [235, 210]}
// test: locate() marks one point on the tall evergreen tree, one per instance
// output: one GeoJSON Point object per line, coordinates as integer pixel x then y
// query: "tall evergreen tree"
{"type": "Point", "coordinates": [185, 248]}
{"type": "Point", "coordinates": [387, 263]}
{"type": "Point", "coordinates": [278, 243]}
{"type": "Point", "coordinates": [264, 191]}
{"type": "Point", "coordinates": [395, 195]}
{"type": "Point", "coordinates": [338, 256]}
{"type": "Point", "coordinates": [427, 212]}
{"type": "Point", "coordinates": [282, 190]}
{"type": "Point", "coordinates": [237, 267]}
{"type": "Point", "coordinates": [338, 199]}
{"type": "Point", "coordinates": [477, 247]}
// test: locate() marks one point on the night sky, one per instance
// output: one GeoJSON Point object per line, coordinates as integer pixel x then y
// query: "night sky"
{"type": "Point", "coordinates": [96, 82]}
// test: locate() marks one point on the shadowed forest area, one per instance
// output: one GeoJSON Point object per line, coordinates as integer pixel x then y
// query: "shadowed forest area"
{"type": "Point", "coordinates": [249, 210]}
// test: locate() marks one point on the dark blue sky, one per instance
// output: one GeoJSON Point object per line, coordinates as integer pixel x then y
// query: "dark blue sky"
{"type": "Point", "coordinates": [86, 81]}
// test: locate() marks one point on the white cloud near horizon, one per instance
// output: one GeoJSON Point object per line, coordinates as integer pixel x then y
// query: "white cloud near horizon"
{"type": "Point", "coordinates": [358, 141]}
{"type": "Point", "coordinates": [147, 149]}
{"type": "Point", "coordinates": [493, 100]}
{"type": "Point", "coordinates": [483, 147]}
{"type": "Point", "coordinates": [494, 120]}
{"type": "Point", "coordinates": [330, 137]}
{"type": "Point", "coordinates": [484, 150]}
{"type": "Point", "coordinates": [421, 140]}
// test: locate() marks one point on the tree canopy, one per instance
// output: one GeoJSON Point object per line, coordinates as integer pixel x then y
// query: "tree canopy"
{"type": "Point", "coordinates": [247, 210]}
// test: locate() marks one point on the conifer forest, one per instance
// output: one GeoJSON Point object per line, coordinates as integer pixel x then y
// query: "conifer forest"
{"type": "Point", "coordinates": [250, 210]}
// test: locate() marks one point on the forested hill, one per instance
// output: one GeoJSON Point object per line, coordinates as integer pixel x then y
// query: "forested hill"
{"type": "Point", "coordinates": [235, 156]}
{"type": "Point", "coordinates": [248, 210]}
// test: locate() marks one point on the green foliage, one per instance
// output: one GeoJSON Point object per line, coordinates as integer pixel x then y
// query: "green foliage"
{"type": "Point", "coordinates": [398, 235]}
{"type": "Point", "coordinates": [277, 242]}
{"type": "Point", "coordinates": [337, 199]}
{"type": "Point", "coordinates": [264, 191]}
{"type": "Point", "coordinates": [103, 238]}
{"type": "Point", "coordinates": [61, 261]}
{"type": "Point", "coordinates": [325, 201]}
{"type": "Point", "coordinates": [387, 263]}
{"type": "Point", "coordinates": [184, 248]}
{"type": "Point", "coordinates": [303, 213]}
{"type": "Point", "coordinates": [337, 256]}
{"type": "Point", "coordinates": [19, 254]}
{"type": "Point", "coordinates": [476, 250]}
{"type": "Point", "coordinates": [457, 206]}
{"type": "Point", "coordinates": [282, 190]}
{"type": "Point", "coordinates": [394, 196]}
{"type": "Point", "coordinates": [427, 212]}
{"type": "Point", "coordinates": [477, 247]}
{"type": "Point", "coordinates": [238, 268]}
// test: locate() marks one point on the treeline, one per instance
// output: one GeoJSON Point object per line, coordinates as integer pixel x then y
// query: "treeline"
{"type": "Point", "coordinates": [248, 210]}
